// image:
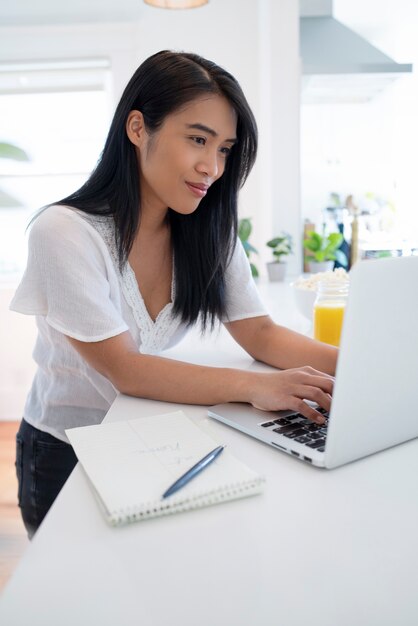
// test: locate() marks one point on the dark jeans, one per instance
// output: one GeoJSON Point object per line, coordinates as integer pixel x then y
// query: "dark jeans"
{"type": "Point", "coordinates": [43, 464]}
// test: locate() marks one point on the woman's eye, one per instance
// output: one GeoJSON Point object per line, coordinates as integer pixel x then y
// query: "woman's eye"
{"type": "Point", "coordinates": [199, 140]}
{"type": "Point", "coordinates": [226, 151]}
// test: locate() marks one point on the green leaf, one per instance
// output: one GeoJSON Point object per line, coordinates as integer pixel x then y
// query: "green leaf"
{"type": "Point", "coordinates": [254, 270]}
{"type": "Point", "coordinates": [322, 248]}
{"type": "Point", "coordinates": [251, 248]}
{"type": "Point", "coordinates": [245, 245]}
{"type": "Point", "coordinates": [317, 239]}
{"type": "Point", "coordinates": [244, 229]}
{"type": "Point", "coordinates": [311, 245]}
{"type": "Point", "coordinates": [9, 151]}
{"type": "Point", "coordinates": [335, 239]}
{"type": "Point", "coordinates": [274, 242]}
{"type": "Point", "coordinates": [328, 249]}
{"type": "Point", "coordinates": [281, 245]}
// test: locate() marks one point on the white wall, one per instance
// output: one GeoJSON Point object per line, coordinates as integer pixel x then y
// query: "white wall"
{"type": "Point", "coordinates": [368, 147]}
{"type": "Point", "coordinates": [345, 148]}
{"type": "Point", "coordinates": [279, 120]}
{"type": "Point", "coordinates": [257, 41]}
{"type": "Point", "coordinates": [361, 149]}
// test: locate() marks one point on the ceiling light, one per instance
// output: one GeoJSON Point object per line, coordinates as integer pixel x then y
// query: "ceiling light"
{"type": "Point", "coordinates": [176, 4]}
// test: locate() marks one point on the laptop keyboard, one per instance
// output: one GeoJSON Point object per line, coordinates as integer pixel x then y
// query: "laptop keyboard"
{"type": "Point", "coordinates": [301, 429]}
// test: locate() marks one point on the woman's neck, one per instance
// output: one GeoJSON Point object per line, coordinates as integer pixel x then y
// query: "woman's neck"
{"type": "Point", "coordinates": [153, 221]}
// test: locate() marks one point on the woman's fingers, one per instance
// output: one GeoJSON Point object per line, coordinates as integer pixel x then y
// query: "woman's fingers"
{"type": "Point", "coordinates": [317, 379]}
{"type": "Point", "coordinates": [291, 389]}
{"type": "Point", "coordinates": [315, 394]}
{"type": "Point", "coordinates": [310, 370]}
{"type": "Point", "coordinates": [318, 388]}
{"type": "Point", "coordinates": [323, 399]}
{"type": "Point", "coordinates": [307, 411]}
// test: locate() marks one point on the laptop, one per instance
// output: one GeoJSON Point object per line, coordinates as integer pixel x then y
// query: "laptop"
{"type": "Point", "coordinates": [374, 404]}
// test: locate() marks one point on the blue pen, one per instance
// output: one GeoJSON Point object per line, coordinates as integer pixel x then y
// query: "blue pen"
{"type": "Point", "coordinates": [193, 471]}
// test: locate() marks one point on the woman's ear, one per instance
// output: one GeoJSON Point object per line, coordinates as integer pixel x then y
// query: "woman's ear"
{"type": "Point", "coordinates": [135, 128]}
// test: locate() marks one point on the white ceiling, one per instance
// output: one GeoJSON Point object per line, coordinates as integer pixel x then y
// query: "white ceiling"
{"type": "Point", "coordinates": [41, 12]}
{"type": "Point", "coordinates": [389, 24]}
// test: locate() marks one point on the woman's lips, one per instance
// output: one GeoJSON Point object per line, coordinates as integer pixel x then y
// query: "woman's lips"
{"type": "Point", "coordinates": [197, 189]}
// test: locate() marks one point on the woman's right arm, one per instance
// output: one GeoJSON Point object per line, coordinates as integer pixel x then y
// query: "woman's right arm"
{"type": "Point", "coordinates": [159, 378]}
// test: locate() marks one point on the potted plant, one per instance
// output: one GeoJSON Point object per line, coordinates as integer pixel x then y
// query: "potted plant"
{"type": "Point", "coordinates": [323, 250]}
{"type": "Point", "coordinates": [244, 231]}
{"type": "Point", "coordinates": [281, 247]}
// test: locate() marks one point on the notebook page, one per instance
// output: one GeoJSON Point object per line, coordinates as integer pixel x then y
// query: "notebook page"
{"type": "Point", "coordinates": [132, 463]}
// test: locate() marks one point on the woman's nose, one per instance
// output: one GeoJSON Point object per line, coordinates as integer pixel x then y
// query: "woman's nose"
{"type": "Point", "coordinates": [209, 165]}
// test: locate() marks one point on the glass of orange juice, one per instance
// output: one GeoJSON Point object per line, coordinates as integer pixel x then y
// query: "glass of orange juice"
{"type": "Point", "coordinates": [329, 310]}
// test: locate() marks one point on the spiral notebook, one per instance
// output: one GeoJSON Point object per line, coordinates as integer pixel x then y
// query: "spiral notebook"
{"type": "Point", "coordinates": [130, 464]}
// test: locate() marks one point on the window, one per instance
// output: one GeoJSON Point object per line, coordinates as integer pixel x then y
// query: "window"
{"type": "Point", "coordinates": [58, 113]}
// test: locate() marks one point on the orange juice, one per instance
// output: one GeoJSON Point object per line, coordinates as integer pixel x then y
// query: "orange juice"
{"type": "Point", "coordinates": [329, 310]}
{"type": "Point", "coordinates": [328, 321]}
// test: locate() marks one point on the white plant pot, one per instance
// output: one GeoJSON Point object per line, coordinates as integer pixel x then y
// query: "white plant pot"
{"type": "Point", "coordinates": [325, 266]}
{"type": "Point", "coordinates": [276, 271]}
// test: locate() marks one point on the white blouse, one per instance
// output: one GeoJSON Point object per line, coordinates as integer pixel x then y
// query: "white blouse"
{"type": "Point", "coordinates": [74, 287]}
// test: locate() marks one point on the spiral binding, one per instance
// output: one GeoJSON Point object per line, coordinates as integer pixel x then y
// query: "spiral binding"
{"type": "Point", "coordinates": [177, 505]}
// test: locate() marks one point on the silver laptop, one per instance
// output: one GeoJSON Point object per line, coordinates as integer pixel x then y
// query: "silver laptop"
{"type": "Point", "coordinates": [374, 403]}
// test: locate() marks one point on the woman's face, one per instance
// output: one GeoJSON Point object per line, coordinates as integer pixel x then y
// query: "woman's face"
{"type": "Point", "coordinates": [186, 155]}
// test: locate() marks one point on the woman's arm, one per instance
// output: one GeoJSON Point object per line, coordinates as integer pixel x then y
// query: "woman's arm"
{"type": "Point", "coordinates": [280, 347]}
{"type": "Point", "coordinates": [165, 379]}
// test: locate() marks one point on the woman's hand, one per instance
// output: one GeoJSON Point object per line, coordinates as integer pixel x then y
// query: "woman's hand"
{"type": "Point", "coordinates": [290, 388]}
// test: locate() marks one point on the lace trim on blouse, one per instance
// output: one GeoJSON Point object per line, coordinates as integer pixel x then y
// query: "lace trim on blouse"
{"type": "Point", "coordinates": [154, 335]}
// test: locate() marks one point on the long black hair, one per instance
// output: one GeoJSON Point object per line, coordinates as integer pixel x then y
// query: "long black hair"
{"type": "Point", "coordinates": [204, 240]}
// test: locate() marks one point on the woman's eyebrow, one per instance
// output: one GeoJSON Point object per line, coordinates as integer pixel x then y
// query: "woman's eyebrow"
{"type": "Point", "coordinates": [208, 130]}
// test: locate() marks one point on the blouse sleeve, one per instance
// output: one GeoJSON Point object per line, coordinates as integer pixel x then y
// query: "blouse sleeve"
{"type": "Point", "coordinates": [70, 278]}
{"type": "Point", "coordinates": [242, 297]}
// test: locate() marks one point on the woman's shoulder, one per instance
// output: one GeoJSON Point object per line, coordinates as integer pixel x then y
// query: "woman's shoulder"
{"type": "Point", "coordinates": [70, 228]}
{"type": "Point", "coordinates": [54, 215]}
{"type": "Point", "coordinates": [65, 221]}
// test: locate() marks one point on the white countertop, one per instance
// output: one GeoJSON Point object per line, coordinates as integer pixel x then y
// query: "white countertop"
{"type": "Point", "coordinates": [318, 547]}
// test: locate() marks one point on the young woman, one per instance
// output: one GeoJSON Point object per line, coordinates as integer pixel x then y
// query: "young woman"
{"type": "Point", "coordinates": [119, 270]}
